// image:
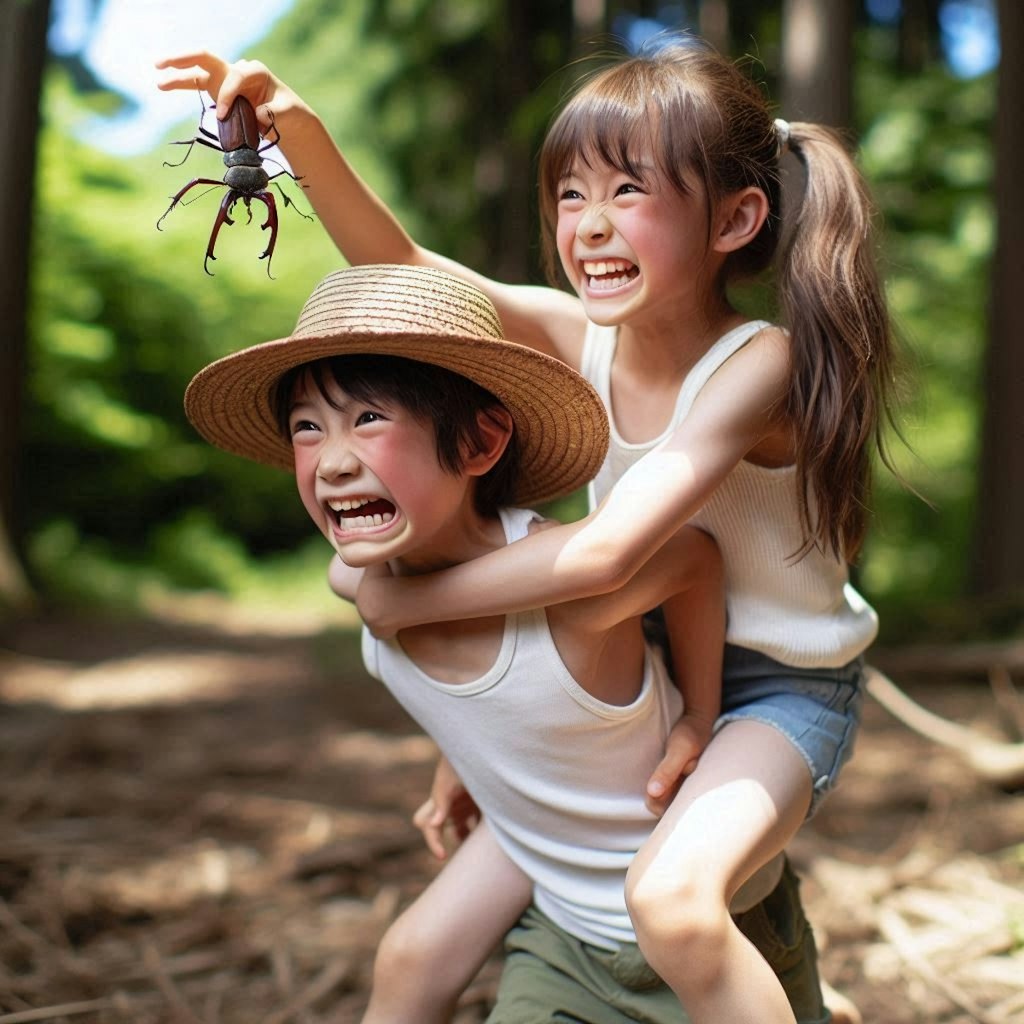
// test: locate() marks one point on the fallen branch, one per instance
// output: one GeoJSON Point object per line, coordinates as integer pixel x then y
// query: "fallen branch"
{"type": "Point", "coordinates": [50, 1012]}
{"type": "Point", "coordinates": [325, 982]}
{"type": "Point", "coordinates": [894, 929]}
{"type": "Point", "coordinates": [1001, 764]}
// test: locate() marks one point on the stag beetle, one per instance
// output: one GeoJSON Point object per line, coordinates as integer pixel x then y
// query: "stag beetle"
{"type": "Point", "coordinates": [238, 138]}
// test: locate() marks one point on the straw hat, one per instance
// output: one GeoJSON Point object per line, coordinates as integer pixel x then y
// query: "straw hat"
{"type": "Point", "coordinates": [421, 314]}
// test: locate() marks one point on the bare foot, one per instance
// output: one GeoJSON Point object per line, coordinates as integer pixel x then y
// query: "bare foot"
{"type": "Point", "coordinates": [843, 1010]}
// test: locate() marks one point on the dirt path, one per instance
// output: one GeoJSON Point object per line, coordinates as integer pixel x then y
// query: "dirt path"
{"type": "Point", "coordinates": [205, 828]}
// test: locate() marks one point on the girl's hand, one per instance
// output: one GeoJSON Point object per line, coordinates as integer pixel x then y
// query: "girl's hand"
{"type": "Point", "coordinates": [373, 602]}
{"type": "Point", "coordinates": [448, 806]}
{"type": "Point", "coordinates": [223, 81]}
{"type": "Point", "coordinates": [685, 743]}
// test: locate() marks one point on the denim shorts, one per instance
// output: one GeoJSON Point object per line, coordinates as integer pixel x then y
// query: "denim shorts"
{"type": "Point", "coordinates": [816, 709]}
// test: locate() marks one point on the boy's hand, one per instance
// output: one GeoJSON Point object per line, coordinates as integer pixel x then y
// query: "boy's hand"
{"type": "Point", "coordinates": [223, 81]}
{"type": "Point", "coordinates": [685, 743]}
{"type": "Point", "coordinates": [449, 804]}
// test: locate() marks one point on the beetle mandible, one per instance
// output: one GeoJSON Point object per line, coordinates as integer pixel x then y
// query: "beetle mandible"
{"type": "Point", "coordinates": [238, 138]}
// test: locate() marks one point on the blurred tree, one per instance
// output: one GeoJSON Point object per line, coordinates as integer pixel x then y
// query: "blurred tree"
{"type": "Point", "coordinates": [23, 25]}
{"type": "Point", "coordinates": [999, 564]}
{"type": "Point", "coordinates": [817, 61]}
{"type": "Point", "coordinates": [918, 34]}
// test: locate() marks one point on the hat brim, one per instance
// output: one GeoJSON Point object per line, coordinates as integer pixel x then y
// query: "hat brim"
{"type": "Point", "coordinates": [560, 421]}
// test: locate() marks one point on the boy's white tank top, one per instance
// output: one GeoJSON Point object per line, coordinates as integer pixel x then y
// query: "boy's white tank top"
{"type": "Point", "coordinates": [803, 613]}
{"type": "Point", "coordinates": [558, 774]}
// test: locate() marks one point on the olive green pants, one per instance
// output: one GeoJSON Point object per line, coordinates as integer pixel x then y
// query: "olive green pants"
{"type": "Point", "coordinates": [550, 977]}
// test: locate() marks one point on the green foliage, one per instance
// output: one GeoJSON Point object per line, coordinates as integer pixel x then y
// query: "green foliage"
{"type": "Point", "coordinates": [425, 98]}
{"type": "Point", "coordinates": [926, 147]}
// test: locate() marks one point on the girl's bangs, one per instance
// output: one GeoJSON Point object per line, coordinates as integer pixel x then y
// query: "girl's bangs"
{"type": "Point", "coordinates": [625, 127]}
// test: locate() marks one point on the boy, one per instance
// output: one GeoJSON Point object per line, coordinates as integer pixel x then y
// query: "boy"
{"type": "Point", "coordinates": [415, 431]}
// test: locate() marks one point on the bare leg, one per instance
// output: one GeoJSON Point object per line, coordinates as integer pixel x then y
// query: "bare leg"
{"type": "Point", "coordinates": [843, 1009]}
{"type": "Point", "coordinates": [742, 805]}
{"type": "Point", "coordinates": [434, 950]}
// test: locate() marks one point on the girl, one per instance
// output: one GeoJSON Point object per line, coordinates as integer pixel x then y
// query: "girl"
{"type": "Point", "coordinates": [659, 188]}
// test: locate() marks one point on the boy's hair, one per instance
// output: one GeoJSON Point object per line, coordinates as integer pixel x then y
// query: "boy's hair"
{"type": "Point", "coordinates": [705, 123]}
{"type": "Point", "coordinates": [449, 402]}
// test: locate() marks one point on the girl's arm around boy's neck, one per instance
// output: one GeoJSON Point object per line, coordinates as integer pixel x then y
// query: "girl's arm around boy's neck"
{"type": "Point", "coordinates": [644, 509]}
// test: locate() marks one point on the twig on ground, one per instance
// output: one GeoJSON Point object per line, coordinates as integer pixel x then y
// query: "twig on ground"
{"type": "Point", "coordinates": [896, 932]}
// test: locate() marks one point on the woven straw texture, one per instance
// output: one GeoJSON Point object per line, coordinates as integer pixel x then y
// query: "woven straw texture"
{"type": "Point", "coordinates": [421, 314]}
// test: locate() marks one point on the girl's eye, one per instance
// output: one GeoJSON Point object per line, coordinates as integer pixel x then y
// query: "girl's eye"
{"type": "Point", "coordinates": [368, 417]}
{"type": "Point", "coordinates": [569, 194]}
{"type": "Point", "coordinates": [300, 426]}
{"type": "Point", "coordinates": [627, 188]}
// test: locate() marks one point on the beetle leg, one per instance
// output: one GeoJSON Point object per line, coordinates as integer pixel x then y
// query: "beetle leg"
{"type": "Point", "coordinates": [268, 200]}
{"type": "Point", "coordinates": [190, 143]}
{"type": "Point", "coordinates": [223, 217]}
{"type": "Point", "coordinates": [181, 192]}
{"type": "Point", "coordinates": [287, 200]}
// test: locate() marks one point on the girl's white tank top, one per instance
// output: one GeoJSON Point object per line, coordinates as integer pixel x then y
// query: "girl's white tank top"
{"type": "Point", "coordinates": [800, 612]}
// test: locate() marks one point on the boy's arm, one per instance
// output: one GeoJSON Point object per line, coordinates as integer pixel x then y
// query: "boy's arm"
{"type": "Point", "coordinates": [358, 221]}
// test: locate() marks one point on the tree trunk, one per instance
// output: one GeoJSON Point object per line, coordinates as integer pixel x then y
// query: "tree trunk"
{"type": "Point", "coordinates": [817, 61]}
{"type": "Point", "coordinates": [23, 25]}
{"type": "Point", "coordinates": [999, 563]}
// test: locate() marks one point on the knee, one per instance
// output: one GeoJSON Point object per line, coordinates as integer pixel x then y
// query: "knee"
{"type": "Point", "coordinates": [677, 915]}
{"type": "Point", "coordinates": [401, 954]}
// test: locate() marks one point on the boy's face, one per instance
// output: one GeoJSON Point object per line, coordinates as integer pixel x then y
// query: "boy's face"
{"type": "Point", "coordinates": [369, 476]}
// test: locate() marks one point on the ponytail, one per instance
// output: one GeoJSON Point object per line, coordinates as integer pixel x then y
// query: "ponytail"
{"type": "Point", "coordinates": [841, 343]}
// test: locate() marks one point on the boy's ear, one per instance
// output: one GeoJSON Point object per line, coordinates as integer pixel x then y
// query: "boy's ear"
{"type": "Point", "coordinates": [495, 427]}
{"type": "Point", "coordinates": [741, 217]}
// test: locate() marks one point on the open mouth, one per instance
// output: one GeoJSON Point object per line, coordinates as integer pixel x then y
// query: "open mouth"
{"type": "Point", "coordinates": [605, 275]}
{"type": "Point", "coordinates": [361, 513]}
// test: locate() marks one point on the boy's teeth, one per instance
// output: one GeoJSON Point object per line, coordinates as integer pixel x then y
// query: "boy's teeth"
{"type": "Point", "coordinates": [363, 522]}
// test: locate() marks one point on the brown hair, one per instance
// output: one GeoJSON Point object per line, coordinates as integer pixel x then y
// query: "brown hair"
{"type": "Point", "coordinates": [447, 401]}
{"type": "Point", "coordinates": [702, 119]}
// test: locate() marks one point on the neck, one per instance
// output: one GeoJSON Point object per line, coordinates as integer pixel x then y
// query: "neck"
{"type": "Point", "coordinates": [464, 537]}
{"type": "Point", "coordinates": [667, 346]}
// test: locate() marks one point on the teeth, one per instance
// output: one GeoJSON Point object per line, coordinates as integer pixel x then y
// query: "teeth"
{"type": "Point", "coordinates": [346, 504]}
{"type": "Point", "coordinates": [597, 268]}
{"type": "Point", "coordinates": [607, 283]}
{"type": "Point", "coordinates": [365, 522]}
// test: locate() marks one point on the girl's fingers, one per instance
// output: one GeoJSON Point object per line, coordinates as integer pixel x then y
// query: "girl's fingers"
{"type": "Point", "coordinates": [202, 69]}
{"type": "Point", "coordinates": [194, 79]}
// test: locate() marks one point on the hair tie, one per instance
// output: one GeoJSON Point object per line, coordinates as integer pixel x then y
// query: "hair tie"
{"type": "Point", "coordinates": [782, 131]}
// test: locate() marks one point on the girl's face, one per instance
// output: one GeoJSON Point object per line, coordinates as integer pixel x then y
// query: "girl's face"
{"type": "Point", "coordinates": [634, 248]}
{"type": "Point", "coordinates": [369, 476]}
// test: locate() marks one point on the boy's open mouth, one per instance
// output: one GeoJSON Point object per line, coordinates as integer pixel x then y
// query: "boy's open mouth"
{"type": "Point", "coordinates": [604, 275]}
{"type": "Point", "coordinates": [361, 513]}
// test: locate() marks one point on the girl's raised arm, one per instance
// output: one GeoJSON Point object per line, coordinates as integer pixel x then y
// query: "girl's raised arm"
{"type": "Point", "coordinates": [358, 221]}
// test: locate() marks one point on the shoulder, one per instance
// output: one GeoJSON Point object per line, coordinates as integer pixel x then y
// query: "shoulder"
{"type": "Point", "coordinates": [546, 319]}
{"type": "Point", "coordinates": [758, 372]}
{"type": "Point", "coordinates": [540, 524]}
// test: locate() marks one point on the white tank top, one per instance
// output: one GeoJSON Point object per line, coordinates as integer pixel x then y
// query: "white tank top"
{"type": "Point", "coordinates": [803, 613]}
{"type": "Point", "coordinates": [558, 774]}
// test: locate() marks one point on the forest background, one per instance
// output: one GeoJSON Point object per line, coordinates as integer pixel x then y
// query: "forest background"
{"type": "Point", "coordinates": [110, 500]}
{"type": "Point", "coordinates": [205, 802]}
